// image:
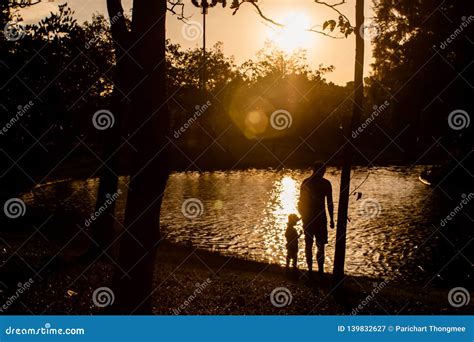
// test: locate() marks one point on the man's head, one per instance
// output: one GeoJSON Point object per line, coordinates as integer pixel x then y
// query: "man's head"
{"type": "Point", "coordinates": [319, 168]}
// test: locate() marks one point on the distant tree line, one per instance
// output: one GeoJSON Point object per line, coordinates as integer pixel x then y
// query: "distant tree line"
{"type": "Point", "coordinates": [59, 73]}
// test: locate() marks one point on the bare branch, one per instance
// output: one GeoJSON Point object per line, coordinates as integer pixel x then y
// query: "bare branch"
{"type": "Point", "coordinates": [333, 7]}
{"type": "Point", "coordinates": [259, 11]}
{"type": "Point", "coordinates": [176, 7]}
{"type": "Point", "coordinates": [324, 33]}
{"type": "Point", "coordinates": [236, 6]}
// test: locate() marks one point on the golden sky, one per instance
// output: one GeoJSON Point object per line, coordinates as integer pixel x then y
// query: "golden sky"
{"type": "Point", "coordinates": [245, 33]}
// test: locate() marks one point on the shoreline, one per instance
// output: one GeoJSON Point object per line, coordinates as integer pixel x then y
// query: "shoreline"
{"type": "Point", "coordinates": [191, 281]}
{"type": "Point", "coordinates": [89, 169]}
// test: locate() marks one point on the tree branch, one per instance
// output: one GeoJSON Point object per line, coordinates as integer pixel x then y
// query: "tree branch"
{"type": "Point", "coordinates": [236, 6]}
{"type": "Point", "coordinates": [324, 33]}
{"type": "Point", "coordinates": [22, 3]}
{"type": "Point", "coordinates": [259, 11]}
{"type": "Point", "coordinates": [333, 7]}
{"type": "Point", "coordinates": [172, 5]}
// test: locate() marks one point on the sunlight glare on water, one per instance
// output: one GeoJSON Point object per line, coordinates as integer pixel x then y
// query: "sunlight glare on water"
{"type": "Point", "coordinates": [288, 193]}
{"type": "Point", "coordinates": [283, 202]}
{"type": "Point", "coordinates": [245, 213]}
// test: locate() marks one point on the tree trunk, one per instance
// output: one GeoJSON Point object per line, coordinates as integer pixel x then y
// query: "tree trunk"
{"type": "Point", "coordinates": [340, 251]}
{"type": "Point", "coordinates": [150, 121]}
{"type": "Point", "coordinates": [103, 228]}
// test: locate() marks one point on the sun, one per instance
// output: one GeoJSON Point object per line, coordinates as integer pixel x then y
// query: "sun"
{"type": "Point", "coordinates": [294, 34]}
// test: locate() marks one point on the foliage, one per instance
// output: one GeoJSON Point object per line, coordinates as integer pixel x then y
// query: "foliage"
{"type": "Point", "coordinates": [422, 57]}
{"type": "Point", "coordinates": [67, 70]}
{"type": "Point", "coordinates": [272, 62]}
{"type": "Point", "coordinates": [342, 23]}
{"type": "Point", "coordinates": [184, 67]}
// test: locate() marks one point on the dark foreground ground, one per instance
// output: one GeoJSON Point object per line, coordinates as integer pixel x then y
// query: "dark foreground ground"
{"type": "Point", "coordinates": [192, 281]}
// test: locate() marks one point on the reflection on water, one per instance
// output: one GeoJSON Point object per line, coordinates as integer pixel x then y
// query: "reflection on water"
{"type": "Point", "coordinates": [245, 214]}
{"type": "Point", "coordinates": [286, 190]}
{"type": "Point", "coordinates": [283, 202]}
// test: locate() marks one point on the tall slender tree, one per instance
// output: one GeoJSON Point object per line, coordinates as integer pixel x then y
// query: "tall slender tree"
{"type": "Point", "coordinates": [357, 109]}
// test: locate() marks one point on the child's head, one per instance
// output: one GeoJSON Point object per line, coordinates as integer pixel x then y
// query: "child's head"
{"type": "Point", "coordinates": [293, 219]}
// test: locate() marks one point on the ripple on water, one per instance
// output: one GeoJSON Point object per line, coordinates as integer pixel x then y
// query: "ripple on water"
{"type": "Point", "coordinates": [245, 214]}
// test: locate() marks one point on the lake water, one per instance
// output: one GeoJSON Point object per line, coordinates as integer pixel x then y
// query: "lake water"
{"type": "Point", "coordinates": [244, 214]}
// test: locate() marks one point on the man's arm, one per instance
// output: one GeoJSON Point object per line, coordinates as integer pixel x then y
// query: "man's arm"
{"type": "Point", "coordinates": [330, 205]}
{"type": "Point", "coordinates": [302, 202]}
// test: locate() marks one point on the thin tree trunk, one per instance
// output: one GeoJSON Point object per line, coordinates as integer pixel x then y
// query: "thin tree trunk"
{"type": "Point", "coordinates": [340, 251]}
{"type": "Point", "coordinates": [103, 228]}
{"type": "Point", "coordinates": [203, 75]}
{"type": "Point", "coordinates": [150, 121]}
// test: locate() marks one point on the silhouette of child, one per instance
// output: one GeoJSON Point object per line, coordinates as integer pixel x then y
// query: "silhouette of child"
{"type": "Point", "coordinates": [292, 236]}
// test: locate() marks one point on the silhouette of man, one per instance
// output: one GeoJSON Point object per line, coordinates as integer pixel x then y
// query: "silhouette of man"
{"type": "Point", "coordinates": [313, 193]}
